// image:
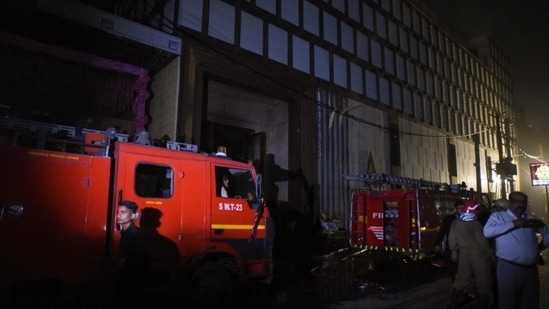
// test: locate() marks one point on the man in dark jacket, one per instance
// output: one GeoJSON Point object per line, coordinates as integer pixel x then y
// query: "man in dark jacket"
{"type": "Point", "coordinates": [133, 250]}
{"type": "Point", "coordinates": [441, 242]}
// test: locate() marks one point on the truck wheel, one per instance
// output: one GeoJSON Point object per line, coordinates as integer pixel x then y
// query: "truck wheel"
{"type": "Point", "coordinates": [211, 286]}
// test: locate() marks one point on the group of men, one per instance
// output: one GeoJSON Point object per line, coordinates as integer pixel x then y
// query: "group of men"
{"type": "Point", "coordinates": [505, 246]}
{"type": "Point", "coordinates": [508, 238]}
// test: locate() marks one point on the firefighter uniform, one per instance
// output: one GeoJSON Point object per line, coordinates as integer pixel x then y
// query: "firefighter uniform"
{"type": "Point", "coordinates": [474, 256]}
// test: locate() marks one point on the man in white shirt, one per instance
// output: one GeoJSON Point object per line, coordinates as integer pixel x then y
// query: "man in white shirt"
{"type": "Point", "coordinates": [517, 251]}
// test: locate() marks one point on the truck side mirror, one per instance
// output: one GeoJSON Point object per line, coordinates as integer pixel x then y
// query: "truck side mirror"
{"type": "Point", "coordinates": [258, 197]}
{"type": "Point", "coordinates": [259, 185]}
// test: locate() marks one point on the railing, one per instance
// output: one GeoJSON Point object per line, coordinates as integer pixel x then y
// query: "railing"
{"type": "Point", "coordinates": [160, 15]}
{"type": "Point", "coordinates": [61, 137]}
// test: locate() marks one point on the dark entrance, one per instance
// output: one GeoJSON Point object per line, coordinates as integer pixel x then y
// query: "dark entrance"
{"type": "Point", "coordinates": [242, 144]}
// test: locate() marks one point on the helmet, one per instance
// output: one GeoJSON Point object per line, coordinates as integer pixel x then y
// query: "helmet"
{"type": "Point", "coordinates": [471, 207]}
{"type": "Point", "coordinates": [469, 210]}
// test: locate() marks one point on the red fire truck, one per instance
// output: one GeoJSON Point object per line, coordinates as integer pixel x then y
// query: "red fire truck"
{"type": "Point", "coordinates": [402, 214]}
{"type": "Point", "coordinates": [60, 187]}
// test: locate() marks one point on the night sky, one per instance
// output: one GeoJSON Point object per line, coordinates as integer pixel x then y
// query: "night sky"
{"type": "Point", "coordinates": [521, 30]}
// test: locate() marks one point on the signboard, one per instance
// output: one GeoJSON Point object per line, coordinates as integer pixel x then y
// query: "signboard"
{"type": "Point", "coordinates": [539, 173]}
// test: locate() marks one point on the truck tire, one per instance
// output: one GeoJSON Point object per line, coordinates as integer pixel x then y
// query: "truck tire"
{"type": "Point", "coordinates": [211, 287]}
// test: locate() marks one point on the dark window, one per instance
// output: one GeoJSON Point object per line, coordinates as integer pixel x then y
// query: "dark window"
{"type": "Point", "coordinates": [394, 140]}
{"type": "Point", "coordinates": [452, 163]}
{"type": "Point", "coordinates": [153, 180]}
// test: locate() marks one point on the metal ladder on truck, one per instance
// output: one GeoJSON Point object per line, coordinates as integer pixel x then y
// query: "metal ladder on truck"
{"type": "Point", "coordinates": [383, 179]}
{"type": "Point", "coordinates": [40, 135]}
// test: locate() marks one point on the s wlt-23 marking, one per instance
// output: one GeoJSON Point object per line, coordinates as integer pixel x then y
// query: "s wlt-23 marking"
{"type": "Point", "coordinates": [230, 207]}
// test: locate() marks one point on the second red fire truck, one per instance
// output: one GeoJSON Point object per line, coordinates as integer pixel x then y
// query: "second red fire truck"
{"type": "Point", "coordinates": [402, 214]}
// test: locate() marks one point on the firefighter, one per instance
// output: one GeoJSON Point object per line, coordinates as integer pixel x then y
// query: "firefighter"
{"type": "Point", "coordinates": [473, 254]}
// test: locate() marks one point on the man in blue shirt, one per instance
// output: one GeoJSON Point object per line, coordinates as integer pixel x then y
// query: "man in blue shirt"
{"type": "Point", "coordinates": [518, 251]}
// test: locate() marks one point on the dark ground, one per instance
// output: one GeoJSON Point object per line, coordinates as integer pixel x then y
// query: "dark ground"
{"type": "Point", "coordinates": [430, 294]}
{"type": "Point", "coordinates": [341, 273]}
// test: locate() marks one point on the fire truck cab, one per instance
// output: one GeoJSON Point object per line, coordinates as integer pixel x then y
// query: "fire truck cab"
{"type": "Point", "coordinates": [60, 191]}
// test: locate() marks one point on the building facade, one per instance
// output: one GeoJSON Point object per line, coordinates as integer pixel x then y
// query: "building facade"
{"type": "Point", "coordinates": [312, 90]}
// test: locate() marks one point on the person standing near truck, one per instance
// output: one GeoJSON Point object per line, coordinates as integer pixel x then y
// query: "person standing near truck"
{"type": "Point", "coordinates": [441, 242]}
{"type": "Point", "coordinates": [471, 250]}
{"type": "Point", "coordinates": [132, 259]}
{"type": "Point", "coordinates": [518, 252]}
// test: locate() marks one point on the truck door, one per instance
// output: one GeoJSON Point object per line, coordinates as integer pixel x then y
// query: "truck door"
{"type": "Point", "coordinates": [232, 215]}
{"type": "Point", "coordinates": [398, 224]}
{"type": "Point", "coordinates": [367, 219]}
{"type": "Point", "coordinates": [150, 177]}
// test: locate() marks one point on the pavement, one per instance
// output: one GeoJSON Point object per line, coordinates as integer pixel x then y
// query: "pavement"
{"type": "Point", "coordinates": [431, 295]}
